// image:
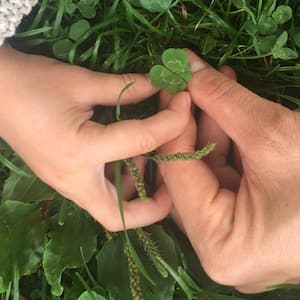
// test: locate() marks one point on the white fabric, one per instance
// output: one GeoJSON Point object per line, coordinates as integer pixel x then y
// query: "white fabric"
{"type": "Point", "coordinates": [11, 14]}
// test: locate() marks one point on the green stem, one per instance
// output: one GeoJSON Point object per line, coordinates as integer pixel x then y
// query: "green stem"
{"type": "Point", "coordinates": [44, 288]}
{"type": "Point", "coordinates": [8, 292]}
{"type": "Point", "coordinates": [16, 292]}
{"type": "Point", "coordinates": [62, 212]}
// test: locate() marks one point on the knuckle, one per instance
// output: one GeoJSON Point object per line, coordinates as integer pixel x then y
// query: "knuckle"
{"type": "Point", "coordinates": [279, 130]}
{"type": "Point", "coordinates": [216, 89]}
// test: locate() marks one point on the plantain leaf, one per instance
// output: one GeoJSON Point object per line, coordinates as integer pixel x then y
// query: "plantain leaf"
{"type": "Point", "coordinates": [26, 189]}
{"type": "Point", "coordinates": [91, 296]}
{"type": "Point", "coordinates": [22, 240]}
{"type": "Point", "coordinates": [63, 249]}
{"type": "Point", "coordinates": [113, 267]}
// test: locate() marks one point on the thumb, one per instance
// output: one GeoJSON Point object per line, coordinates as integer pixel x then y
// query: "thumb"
{"type": "Point", "coordinates": [242, 114]}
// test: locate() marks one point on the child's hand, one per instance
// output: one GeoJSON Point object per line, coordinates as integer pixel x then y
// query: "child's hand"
{"type": "Point", "coordinates": [241, 215]}
{"type": "Point", "coordinates": [45, 111]}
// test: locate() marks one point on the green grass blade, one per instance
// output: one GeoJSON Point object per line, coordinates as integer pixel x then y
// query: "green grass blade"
{"type": "Point", "coordinates": [185, 288]}
{"type": "Point", "coordinates": [34, 31]}
{"type": "Point", "coordinates": [8, 164]}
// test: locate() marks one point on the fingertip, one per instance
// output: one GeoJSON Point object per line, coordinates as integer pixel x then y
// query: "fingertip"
{"type": "Point", "coordinates": [181, 102]}
{"type": "Point", "coordinates": [195, 61]}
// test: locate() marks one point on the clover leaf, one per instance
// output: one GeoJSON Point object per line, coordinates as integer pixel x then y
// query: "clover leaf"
{"type": "Point", "coordinates": [282, 14]}
{"type": "Point", "coordinates": [174, 73]}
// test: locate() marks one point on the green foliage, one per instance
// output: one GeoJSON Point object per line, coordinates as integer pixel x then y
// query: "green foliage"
{"type": "Point", "coordinates": [22, 241]}
{"type": "Point", "coordinates": [62, 48]}
{"type": "Point", "coordinates": [174, 73]}
{"type": "Point", "coordinates": [90, 296]}
{"type": "Point", "coordinates": [153, 5]}
{"type": "Point", "coordinates": [297, 37]}
{"type": "Point", "coordinates": [118, 282]}
{"type": "Point", "coordinates": [63, 248]}
{"type": "Point", "coordinates": [78, 28]}
{"type": "Point", "coordinates": [87, 8]}
{"type": "Point", "coordinates": [282, 14]}
{"type": "Point", "coordinates": [26, 189]}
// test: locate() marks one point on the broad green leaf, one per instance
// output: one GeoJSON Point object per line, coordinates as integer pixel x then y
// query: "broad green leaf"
{"type": "Point", "coordinates": [266, 43]}
{"type": "Point", "coordinates": [250, 27]}
{"type": "Point", "coordinates": [63, 249]}
{"type": "Point", "coordinates": [113, 267]}
{"type": "Point", "coordinates": [78, 29]}
{"type": "Point", "coordinates": [267, 25]}
{"type": "Point", "coordinates": [62, 48]}
{"type": "Point", "coordinates": [22, 240]}
{"type": "Point", "coordinates": [156, 5]}
{"type": "Point", "coordinates": [70, 7]}
{"type": "Point", "coordinates": [285, 53]}
{"type": "Point", "coordinates": [282, 14]}
{"type": "Point", "coordinates": [26, 189]}
{"type": "Point", "coordinates": [297, 37]}
{"type": "Point", "coordinates": [281, 41]}
{"type": "Point", "coordinates": [209, 44]}
{"type": "Point", "coordinates": [87, 296]}
{"type": "Point", "coordinates": [174, 73]}
{"type": "Point", "coordinates": [87, 8]}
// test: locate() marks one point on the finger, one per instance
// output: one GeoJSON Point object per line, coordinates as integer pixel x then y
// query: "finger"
{"type": "Point", "coordinates": [105, 89]}
{"type": "Point", "coordinates": [195, 191]}
{"type": "Point", "coordinates": [134, 137]}
{"type": "Point", "coordinates": [239, 112]}
{"type": "Point", "coordinates": [210, 131]}
{"type": "Point", "coordinates": [98, 196]}
{"type": "Point", "coordinates": [102, 204]}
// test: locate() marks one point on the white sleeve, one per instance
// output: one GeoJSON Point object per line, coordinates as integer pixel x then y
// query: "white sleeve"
{"type": "Point", "coordinates": [11, 14]}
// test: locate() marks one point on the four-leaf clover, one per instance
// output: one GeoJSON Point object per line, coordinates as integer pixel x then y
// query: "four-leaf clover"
{"type": "Point", "coordinates": [174, 73]}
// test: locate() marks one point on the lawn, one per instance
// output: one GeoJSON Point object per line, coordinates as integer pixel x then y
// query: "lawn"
{"type": "Point", "coordinates": [50, 248]}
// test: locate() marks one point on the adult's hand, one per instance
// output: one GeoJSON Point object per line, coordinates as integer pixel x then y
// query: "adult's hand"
{"type": "Point", "coordinates": [45, 112]}
{"type": "Point", "coordinates": [241, 216]}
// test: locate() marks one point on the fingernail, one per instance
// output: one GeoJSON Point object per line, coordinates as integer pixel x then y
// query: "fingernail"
{"type": "Point", "coordinates": [198, 65]}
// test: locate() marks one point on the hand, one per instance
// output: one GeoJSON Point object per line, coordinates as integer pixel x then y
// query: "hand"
{"type": "Point", "coordinates": [45, 114]}
{"type": "Point", "coordinates": [242, 218]}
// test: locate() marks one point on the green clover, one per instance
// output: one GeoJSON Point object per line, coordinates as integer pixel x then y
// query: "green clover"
{"type": "Point", "coordinates": [174, 73]}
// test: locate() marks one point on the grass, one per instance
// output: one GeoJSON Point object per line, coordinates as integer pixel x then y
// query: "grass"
{"type": "Point", "coordinates": [118, 37]}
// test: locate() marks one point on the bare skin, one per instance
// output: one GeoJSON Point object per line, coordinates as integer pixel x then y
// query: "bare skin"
{"type": "Point", "coordinates": [45, 111]}
{"type": "Point", "coordinates": [243, 218]}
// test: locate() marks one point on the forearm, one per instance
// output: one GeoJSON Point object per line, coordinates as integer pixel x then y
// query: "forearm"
{"type": "Point", "coordinates": [11, 14]}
